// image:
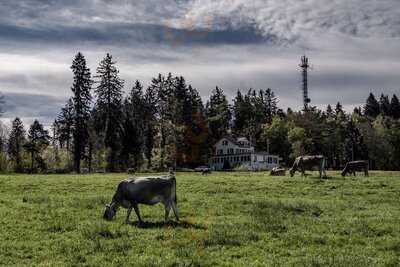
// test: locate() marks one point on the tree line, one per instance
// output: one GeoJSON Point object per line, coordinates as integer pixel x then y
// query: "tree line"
{"type": "Point", "coordinates": [166, 124]}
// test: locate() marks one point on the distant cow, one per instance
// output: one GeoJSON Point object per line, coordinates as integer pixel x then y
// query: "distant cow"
{"type": "Point", "coordinates": [356, 166]}
{"type": "Point", "coordinates": [144, 190]}
{"type": "Point", "coordinates": [304, 163]}
{"type": "Point", "coordinates": [206, 171]}
{"type": "Point", "coordinates": [278, 172]}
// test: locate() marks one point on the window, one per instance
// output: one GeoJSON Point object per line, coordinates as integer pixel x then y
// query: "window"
{"type": "Point", "coordinates": [269, 160]}
{"type": "Point", "coordinates": [224, 143]}
{"type": "Point", "coordinates": [275, 160]}
{"type": "Point", "coordinates": [230, 151]}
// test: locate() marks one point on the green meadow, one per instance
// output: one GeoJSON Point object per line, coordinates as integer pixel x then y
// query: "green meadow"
{"type": "Point", "coordinates": [227, 219]}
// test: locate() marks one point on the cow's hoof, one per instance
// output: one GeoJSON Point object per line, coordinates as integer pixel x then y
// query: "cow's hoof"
{"type": "Point", "coordinates": [140, 224]}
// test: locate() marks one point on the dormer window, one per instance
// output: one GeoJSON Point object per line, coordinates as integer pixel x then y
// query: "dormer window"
{"type": "Point", "coordinates": [224, 143]}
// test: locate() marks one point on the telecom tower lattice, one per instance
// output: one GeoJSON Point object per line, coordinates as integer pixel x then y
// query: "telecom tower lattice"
{"type": "Point", "coordinates": [304, 71]}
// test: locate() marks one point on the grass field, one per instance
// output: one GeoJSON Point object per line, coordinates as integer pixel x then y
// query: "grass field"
{"type": "Point", "coordinates": [232, 219]}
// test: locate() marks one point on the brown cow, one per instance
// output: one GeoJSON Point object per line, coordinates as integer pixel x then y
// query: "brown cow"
{"type": "Point", "coordinates": [304, 163]}
{"type": "Point", "coordinates": [353, 166]}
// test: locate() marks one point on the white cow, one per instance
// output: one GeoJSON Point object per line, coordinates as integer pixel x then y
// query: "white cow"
{"type": "Point", "coordinates": [144, 190]}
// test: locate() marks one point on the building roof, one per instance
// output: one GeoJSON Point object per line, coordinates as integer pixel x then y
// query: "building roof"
{"type": "Point", "coordinates": [237, 141]}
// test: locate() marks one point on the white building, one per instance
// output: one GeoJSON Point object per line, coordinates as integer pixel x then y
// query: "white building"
{"type": "Point", "coordinates": [231, 153]}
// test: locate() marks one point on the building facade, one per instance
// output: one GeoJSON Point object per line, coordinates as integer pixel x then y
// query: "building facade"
{"type": "Point", "coordinates": [232, 153]}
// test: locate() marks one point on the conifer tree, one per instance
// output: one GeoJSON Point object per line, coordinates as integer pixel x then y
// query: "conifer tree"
{"type": "Point", "coordinates": [81, 103]}
{"type": "Point", "coordinates": [218, 114]}
{"type": "Point", "coordinates": [384, 105]}
{"type": "Point", "coordinates": [269, 104]}
{"type": "Point", "coordinates": [150, 111]}
{"type": "Point", "coordinates": [109, 108]}
{"type": "Point", "coordinates": [65, 122]}
{"type": "Point", "coordinates": [16, 142]}
{"type": "Point", "coordinates": [395, 107]}
{"type": "Point", "coordinates": [38, 140]}
{"type": "Point", "coordinates": [371, 107]}
{"type": "Point", "coordinates": [133, 132]}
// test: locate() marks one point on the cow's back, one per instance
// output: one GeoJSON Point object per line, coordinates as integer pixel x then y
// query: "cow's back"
{"type": "Point", "coordinates": [149, 190]}
{"type": "Point", "coordinates": [357, 165]}
{"type": "Point", "coordinates": [310, 162]}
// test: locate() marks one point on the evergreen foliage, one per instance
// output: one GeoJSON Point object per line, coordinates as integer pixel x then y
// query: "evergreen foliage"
{"type": "Point", "coordinates": [16, 142]}
{"type": "Point", "coordinates": [81, 104]}
{"type": "Point", "coordinates": [371, 107]}
{"type": "Point", "coordinates": [109, 108]}
{"type": "Point", "coordinates": [38, 140]}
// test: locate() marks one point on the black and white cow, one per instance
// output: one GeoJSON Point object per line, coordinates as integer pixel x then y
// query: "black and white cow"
{"type": "Point", "coordinates": [304, 163]}
{"type": "Point", "coordinates": [144, 190]}
{"type": "Point", "coordinates": [356, 166]}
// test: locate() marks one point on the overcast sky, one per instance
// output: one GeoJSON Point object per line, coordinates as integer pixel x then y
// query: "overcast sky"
{"type": "Point", "coordinates": [353, 45]}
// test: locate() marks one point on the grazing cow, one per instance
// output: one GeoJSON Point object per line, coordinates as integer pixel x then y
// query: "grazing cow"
{"type": "Point", "coordinates": [144, 190]}
{"type": "Point", "coordinates": [131, 171]}
{"type": "Point", "coordinates": [206, 171]}
{"type": "Point", "coordinates": [304, 163]}
{"type": "Point", "coordinates": [278, 172]}
{"type": "Point", "coordinates": [353, 166]}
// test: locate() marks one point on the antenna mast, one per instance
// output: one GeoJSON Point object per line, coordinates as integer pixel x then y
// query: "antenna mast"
{"type": "Point", "coordinates": [304, 71]}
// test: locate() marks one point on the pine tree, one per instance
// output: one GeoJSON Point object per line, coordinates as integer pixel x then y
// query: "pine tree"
{"type": "Point", "coordinates": [384, 105]}
{"type": "Point", "coordinates": [150, 111]}
{"type": "Point", "coordinates": [65, 122]}
{"type": "Point", "coordinates": [109, 108]}
{"type": "Point", "coordinates": [81, 102]}
{"type": "Point", "coordinates": [395, 107]}
{"type": "Point", "coordinates": [269, 103]}
{"type": "Point", "coordinates": [38, 140]}
{"type": "Point", "coordinates": [371, 107]}
{"type": "Point", "coordinates": [218, 115]}
{"type": "Point", "coordinates": [329, 111]}
{"type": "Point", "coordinates": [239, 113]}
{"type": "Point", "coordinates": [16, 142]}
{"type": "Point", "coordinates": [164, 88]}
{"type": "Point", "coordinates": [132, 138]}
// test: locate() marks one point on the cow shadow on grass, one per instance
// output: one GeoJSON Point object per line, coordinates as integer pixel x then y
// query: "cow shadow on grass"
{"type": "Point", "coordinates": [173, 224]}
{"type": "Point", "coordinates": [317, 177]}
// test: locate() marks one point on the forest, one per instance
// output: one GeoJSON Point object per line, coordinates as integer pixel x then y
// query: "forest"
{"type": "Point", "coordinates": [166, 124]}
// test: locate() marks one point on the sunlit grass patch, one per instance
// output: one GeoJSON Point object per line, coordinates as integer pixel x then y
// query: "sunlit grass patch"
{"type": "Point", "coordinates": [228, 219]}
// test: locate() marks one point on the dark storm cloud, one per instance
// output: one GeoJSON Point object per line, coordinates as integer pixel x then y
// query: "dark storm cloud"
{"type": "Point", "coordinates": [32, 105]}
{"type": "Point", "coordinates": [125, 34]}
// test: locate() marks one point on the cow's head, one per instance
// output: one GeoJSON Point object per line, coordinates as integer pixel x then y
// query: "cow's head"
{"type": "Point", "coordinates": [110, 211]}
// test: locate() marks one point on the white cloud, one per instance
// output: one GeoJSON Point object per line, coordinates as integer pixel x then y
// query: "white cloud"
{"type": "Point", "coordinates": [292, 19]}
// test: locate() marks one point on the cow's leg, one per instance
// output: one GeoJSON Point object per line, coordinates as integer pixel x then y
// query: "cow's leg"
{"type": "Point", "coordinates": [366, 172]}
{"type": "Point", "coordinates": [354, 173]}
{"type": "Point", "coordinates": [167, 207]}
{"type": "Point", "coordinates": [322, 169]}
{"type": "Point", "coordinates": [175, 209]}
{"type": "Point", "coordinates": [128, 213]}
{"type": "Point", "coordinates": [135, 206]}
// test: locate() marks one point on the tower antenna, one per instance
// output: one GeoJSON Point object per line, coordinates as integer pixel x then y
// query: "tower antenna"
{"type": "Point", "coordinates": [304, 65]}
